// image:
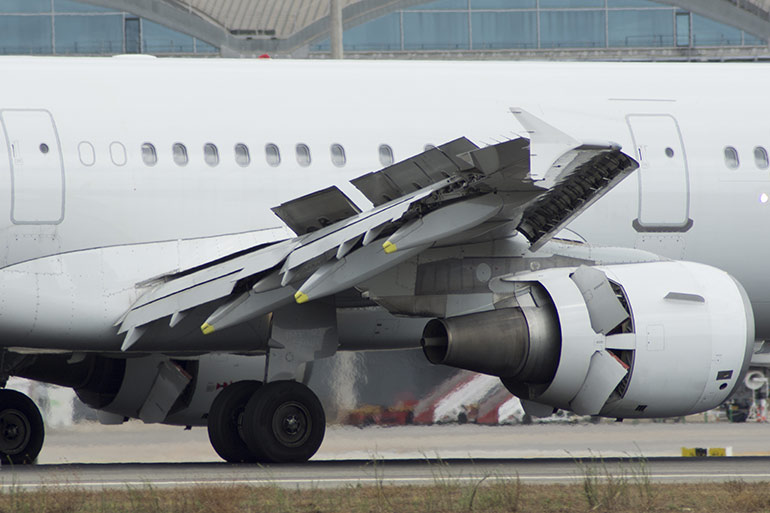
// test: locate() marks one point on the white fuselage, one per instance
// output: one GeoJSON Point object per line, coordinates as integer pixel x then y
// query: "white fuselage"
{"type": "Point", "coordinates": [136, 221]}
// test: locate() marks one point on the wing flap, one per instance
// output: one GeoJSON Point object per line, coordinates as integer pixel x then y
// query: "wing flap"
{"type": "Point", "coordinates": [181, 283]}
{"type": "Point", "coordinates": [251, 263]}
{"type": "Point", "coordinates": [177, 302]}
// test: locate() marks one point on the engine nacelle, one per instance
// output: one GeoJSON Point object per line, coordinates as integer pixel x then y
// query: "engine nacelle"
{"type": "Point", "coordinates": [654, 339]}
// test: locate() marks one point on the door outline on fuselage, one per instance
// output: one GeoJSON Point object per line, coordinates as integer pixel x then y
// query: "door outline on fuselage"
{"type": "Point", "coordinates": [13, 166]}
{"type": "Point", "coordinates": [675, 227]}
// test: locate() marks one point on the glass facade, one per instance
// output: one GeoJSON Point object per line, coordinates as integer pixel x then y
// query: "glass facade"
{"type": "Point", "coordinates": [539, 24]}
{"type": "Point", "coordinates": [67, 27]}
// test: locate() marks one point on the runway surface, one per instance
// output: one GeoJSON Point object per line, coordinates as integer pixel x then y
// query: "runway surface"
{"type": "Point", "coordinates": [134, 454]}
{"type": "Point", "coordinates": [135, 442]}
{"type": "Point", "coordinates": [323, 474]}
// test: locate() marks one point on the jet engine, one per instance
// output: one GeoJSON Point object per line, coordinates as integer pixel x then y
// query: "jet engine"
{"type": "Point", "coordinates": [654, 339]}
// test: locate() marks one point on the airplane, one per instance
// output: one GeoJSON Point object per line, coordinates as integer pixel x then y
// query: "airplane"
{"type": "Point", "coordinates": [182, 238]}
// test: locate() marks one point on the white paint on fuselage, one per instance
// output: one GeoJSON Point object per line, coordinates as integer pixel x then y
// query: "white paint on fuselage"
{"type": "Point", "coordinates": [361, 105]}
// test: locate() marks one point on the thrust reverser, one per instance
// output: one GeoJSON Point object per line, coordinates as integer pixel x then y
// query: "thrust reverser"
{"type": "Point", "coordinates": [639, 340]}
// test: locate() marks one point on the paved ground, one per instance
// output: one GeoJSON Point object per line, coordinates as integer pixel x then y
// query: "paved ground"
{"type": "Point", "coordinates": [135, 442]}
{"type": "Point", "coordinates": [355, 472]}
{"type": "Point", "coordinates": [94, 456]}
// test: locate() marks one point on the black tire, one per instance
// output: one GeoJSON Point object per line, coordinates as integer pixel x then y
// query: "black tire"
{"type": "Point", "coordinates": [225, 422]}
{"type": "Point", "coordinates": [21, 428]}
{"type": "Point", "coordinates": [284, 422]}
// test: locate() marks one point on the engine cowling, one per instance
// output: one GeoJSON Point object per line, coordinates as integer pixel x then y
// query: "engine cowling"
{"type": "Point", "coordinates": [651, 339]}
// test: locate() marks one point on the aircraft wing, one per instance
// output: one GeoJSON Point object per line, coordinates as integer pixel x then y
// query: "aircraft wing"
{"type": "Point", "coordinates": [537, 184]}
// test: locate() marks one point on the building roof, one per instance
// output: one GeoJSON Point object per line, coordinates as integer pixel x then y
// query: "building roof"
{"type": "Point", "coordinates": [280, 18]}
{"type": "Point", "coordinates": [250, 27]}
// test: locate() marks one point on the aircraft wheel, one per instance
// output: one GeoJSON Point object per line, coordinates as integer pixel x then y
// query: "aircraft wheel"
{"type": "Point", "coordinates": [225, 421]}
{"type": "Point", "coordinates": [284, 422]}
{"type": "Point", "coordinates": [21, 428]}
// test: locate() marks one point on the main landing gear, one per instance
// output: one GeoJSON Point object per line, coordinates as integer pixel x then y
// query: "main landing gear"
{"type": "Point", "coordinates": [279, 422]}
{"type": "Point", "coordinates": [21, 428]}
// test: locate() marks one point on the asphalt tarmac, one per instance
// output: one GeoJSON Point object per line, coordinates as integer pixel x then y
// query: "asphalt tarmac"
{"type": "Point", "coordinates": [134, 454]}
{"type": "Point", "coordinates": [135, 442]}
{"type": "Point", "coordinates": [322, 474]}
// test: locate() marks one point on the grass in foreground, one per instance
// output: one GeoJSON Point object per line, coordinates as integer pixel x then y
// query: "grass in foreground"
{"type": "Point", "coordinates": [485, 495]}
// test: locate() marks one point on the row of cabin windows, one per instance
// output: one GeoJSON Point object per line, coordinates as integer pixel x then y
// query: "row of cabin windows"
{"type": "Point", "coordinates": [273, 155]}
{"type": "Point", "coordinates": [733, 161]}
{"type": "Point", "coordinates": [211, 154]}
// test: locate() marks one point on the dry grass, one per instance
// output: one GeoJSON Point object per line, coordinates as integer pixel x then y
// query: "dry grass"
{"type": "Point", "coordinates": [485, 495]}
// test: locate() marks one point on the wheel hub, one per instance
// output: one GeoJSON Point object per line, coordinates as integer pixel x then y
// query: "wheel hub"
{"type": "Point", "coordinates": [14, 431]}
{"type": "Point", "coordinates": [291, 424]}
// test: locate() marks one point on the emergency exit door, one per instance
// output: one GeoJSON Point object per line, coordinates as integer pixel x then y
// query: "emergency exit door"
{"type": "Point", "coordinates": [37, 172]}
{"type": "Point", "coordinates": [664, 190]}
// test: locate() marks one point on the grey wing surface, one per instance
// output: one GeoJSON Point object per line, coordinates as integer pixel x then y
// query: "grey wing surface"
{"type": "Point", "coordinates": [453, 190]}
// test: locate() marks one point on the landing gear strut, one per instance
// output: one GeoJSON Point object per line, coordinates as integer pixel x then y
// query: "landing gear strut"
{"type": "Point", "coordinates": [281, 422]}
{"type": "Point", "coordinates": [21, 428]}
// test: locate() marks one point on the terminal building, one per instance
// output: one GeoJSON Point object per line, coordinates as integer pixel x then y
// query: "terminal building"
{"type": "Point", "coordinates": [448, 29]}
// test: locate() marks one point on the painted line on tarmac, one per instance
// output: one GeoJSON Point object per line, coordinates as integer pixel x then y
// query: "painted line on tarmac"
{"type": "Point", "coordinates": [356, 481]}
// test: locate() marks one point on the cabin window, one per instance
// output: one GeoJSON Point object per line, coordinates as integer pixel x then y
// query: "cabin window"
{"type": "Point", "coordinates": [149, 155]}
{"type": "Point", "coordinates": [210, 154]}
{"type": "Point", "coordinates": [303, 155]}
{"type": "Point", "coordinates": [760, 158]}
{"type": "Point", "coordinates": [272, 155]}
{"type": "Point", "coordinates": [338, 155]}
{"type": "Point", "coordinates": [86, 153]}
{"type": "Point", "coordinates": [242, 157]}
{"type": "Point", "coordinates": [180, 154]}
{"type": "Point", "coordinates": [731, 158]}
{"type": "Point", "coordinates": [386, 155]}
{"type": "Point", "coordinates": [118, 154]}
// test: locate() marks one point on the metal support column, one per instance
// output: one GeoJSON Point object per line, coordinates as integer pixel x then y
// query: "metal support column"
{"type": "Point", "coordinates": [335, 28]}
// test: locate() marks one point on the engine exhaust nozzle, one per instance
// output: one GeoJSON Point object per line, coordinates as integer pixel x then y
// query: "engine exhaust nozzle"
{"type": "Point", "coordinates": [519, 343]}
